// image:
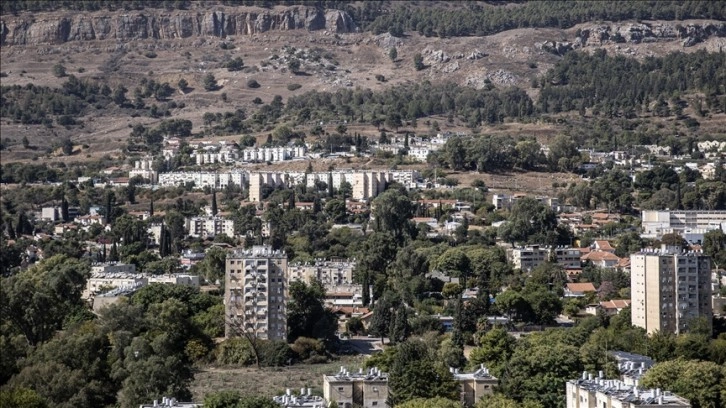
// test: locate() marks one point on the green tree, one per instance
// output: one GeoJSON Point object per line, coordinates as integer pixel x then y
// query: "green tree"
{"type": "Point", "coordinates": [21, 397]}
{"type": "Point", "coordinates": [538, 371]}
{"type": "Point", "coordinates": [437, 402]}
{"type": "Point", "coordinates": [306, 313]}
{"type": "Point", "coordinates": [495, 348]}
{"type": "Point", "coordinates": [418, 62]}
{"type": "Point", "coordinates": [400, 329]}
{"type": "Point", "coordinates": [294, 65]}
{"type": "Point", "coordinates": [698, 381]}
{"type": "Point", "coordinates": [183, 84]}
{"type": "Point", "coordinates": [383, 316]}
{"type": "Point", "coordinates": [209, 82]}
{"type": "Point", "coordinates": [393, 54]}
{"type": "Point", "coordinates": [500, 401]}
{"type": "Point", "coordinates": [235, 64]}
{"type": "Point", "coordinates": [392, 212]}
{"type": "Point", "coordinates": [38, 300]}
{"type": "Point", "coordinates": [415, 374]}
{"type": "Point", "coordinates": [59, 70]}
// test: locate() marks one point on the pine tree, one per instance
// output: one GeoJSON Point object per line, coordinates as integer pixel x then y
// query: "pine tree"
{"type": "Point", "coordinates": [214, 203]}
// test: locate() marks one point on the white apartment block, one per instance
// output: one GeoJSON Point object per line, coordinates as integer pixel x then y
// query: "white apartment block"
{"type": "Point", "coordinates": [202, 179]}
{"type": "Point", "coordinates": [175, 279]}
{"type": "Point", "coordinates": [144, 168]}
{"type": "Point", "coordinates": [273, 154]}
{"type": "Point", "coordinates": [255, 296]}
{"type": "Point", "coordinates": [589, 392]}
{"type": "Point", "coordinates": [209, 227]}
{"type": "Point", "coordinates": [669, 288]}
{"type": "Point", "coordinates": [332, 274]}
{"type": "Point", "coordinates": [528, 258]}
{"type": "Point", "coordinates": [692, 225]}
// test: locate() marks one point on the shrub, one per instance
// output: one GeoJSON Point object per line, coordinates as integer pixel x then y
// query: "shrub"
{"type": "Point", "coordinates": [293, 87]}
{"type": "Point", "coordinates": [253, 84]}
{"type": "Point", "coordinates": [150, 54]}
{"type": "Point", "coordinates": [235, 351]}
{"type": "Point", "coordinates": [305, 347]}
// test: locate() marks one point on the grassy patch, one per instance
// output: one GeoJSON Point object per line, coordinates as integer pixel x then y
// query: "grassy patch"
{"type": "Point", "coordinates": [268, 381]}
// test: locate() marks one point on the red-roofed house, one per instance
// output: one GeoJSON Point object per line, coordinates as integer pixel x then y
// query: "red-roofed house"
{"type": "Point", "coordinates": [610, 307]}
{"type": "Point", "coordinates": [579, 289]}
{"type": "Point", "coordinates": [602, 259]}
{"type": "Point", "coordinates": [603, 246]}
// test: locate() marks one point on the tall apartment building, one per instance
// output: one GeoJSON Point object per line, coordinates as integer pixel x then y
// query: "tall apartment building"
{"type": "Point", "coordinates": [255, 293]}
{"type": "Point", "coordinates": [669, 288]}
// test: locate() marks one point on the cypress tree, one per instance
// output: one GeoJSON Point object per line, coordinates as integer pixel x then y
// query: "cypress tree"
{"type": "Point", "coordinates": [151, 208]}
{"type": "Point", "coordinates": [400, 329]}
{"type": "Point", "coordinates": [64, 210]}
{"type": "Point", "coordinates": [113, 257]}
{"type": "Point", "coordinates": [214, 202]}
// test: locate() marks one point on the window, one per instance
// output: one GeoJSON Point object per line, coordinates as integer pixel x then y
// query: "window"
{"type": "Point", "coordinates": [340, 389]}
{"type": "Point", "coordinates": [374, 403]}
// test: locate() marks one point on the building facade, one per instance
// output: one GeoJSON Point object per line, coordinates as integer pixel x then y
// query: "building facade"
{"type": "Point", "coordinates": [689, 224]}
{"type": "Point", "coordinates": [362, 389]}
{"type": "Point", "coordinates": [596, 392]}
{"type": "Point", "coordinates": [204, 227]}
{"type": "Point", "coordinates": [669, 288]}
{"type": "Point", "coordinates": [475, 385]}
{"type": "Point", "coordinates": [255, 294]}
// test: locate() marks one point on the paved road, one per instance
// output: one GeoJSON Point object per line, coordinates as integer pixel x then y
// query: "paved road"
{"type": "Point", "coordinates": [364, 345]}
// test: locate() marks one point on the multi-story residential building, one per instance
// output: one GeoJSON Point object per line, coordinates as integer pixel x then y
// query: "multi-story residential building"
{"type": "Point", "coordinates": [333, 273]}
{"type": "Point", "coordinates": [144, 168]}
{"type": "Point", "coordinates": [475, 385]}
{"type": "Point", "coordinates": [669, 288]}
{"type": "Point", "coordinates": [529, 257]}
{"type": "Point", "coordinates": [113, 267]}
{"type": "Point", "coordinates": [100, 282]}
{"type": "Point", "coordinates": [589, 392]}
{"type": "Point", "coordinates": [255, 293]}
{"type": "Point", "coordinates": [631, 366]}
{"type": "Point", "coordinates": [209, 227]}
{"type": "Point", "coordinates": [362, 389]}
{"type": "Point", "coordinates": [303, 400]}
{"type": "Point", "coordinates": [692, 225]}
{"type": "Point", "coordinates": [273, 154]}
{"type": "Point", "coordinates": [568, 258]}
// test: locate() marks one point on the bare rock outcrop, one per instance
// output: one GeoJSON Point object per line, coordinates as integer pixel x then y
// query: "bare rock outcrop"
{"type": "Point", "coordinates": [45, 28]}
{"type": "Point", "coordinates": [644, 32]}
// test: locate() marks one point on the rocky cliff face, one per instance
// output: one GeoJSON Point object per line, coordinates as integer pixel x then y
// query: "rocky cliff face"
{"type": "Point", "coordinates": [634, 33]}
{"type": "Point", "coordinates": [153, 24]}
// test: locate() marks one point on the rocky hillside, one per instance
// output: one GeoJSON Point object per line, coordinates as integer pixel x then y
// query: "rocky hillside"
{"type": "Point", "coordinates": [154, 24]}
{"type": "Point", "coordinates": [598, 35]}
